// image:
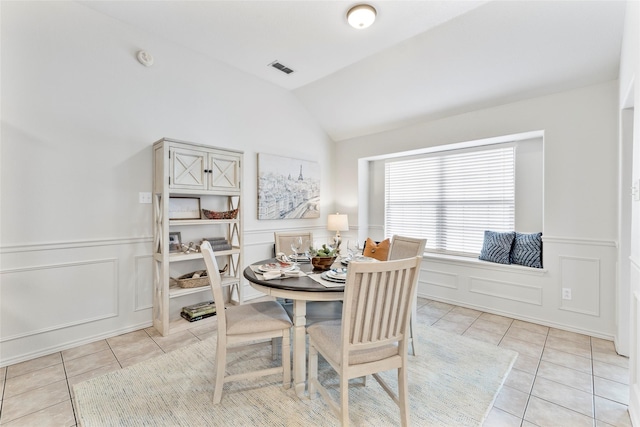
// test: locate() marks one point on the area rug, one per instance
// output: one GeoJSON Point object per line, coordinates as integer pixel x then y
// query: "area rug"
{"type": "Point", "coordinates": [452, 382]}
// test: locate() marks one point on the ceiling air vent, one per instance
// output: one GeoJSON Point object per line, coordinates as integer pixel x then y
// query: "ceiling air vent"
{"type": "Point", "coordinates": [279, 66]}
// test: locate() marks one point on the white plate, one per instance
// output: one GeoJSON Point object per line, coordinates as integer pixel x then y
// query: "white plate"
{"type": "Point", "coordinates": [326, 276]}
{"type": "Point", "coordinates": [338, 274]}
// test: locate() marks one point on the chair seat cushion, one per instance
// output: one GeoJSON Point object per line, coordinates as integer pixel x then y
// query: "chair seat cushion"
{"type": "Point", "coordinates": [256, 317]}
{"type": "Point", "coordinates": [327, 337]}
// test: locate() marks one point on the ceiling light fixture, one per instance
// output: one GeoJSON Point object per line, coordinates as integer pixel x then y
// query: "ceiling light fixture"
{"type": "Point", "coordinates": [361, 16]}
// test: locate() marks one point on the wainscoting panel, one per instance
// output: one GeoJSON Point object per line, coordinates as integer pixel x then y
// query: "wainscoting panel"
{"type": "Point", "coordinates": [586, 266]}
{"type": "Point", "coordinates": [48, 297]}
{"type": "Point", "coordinates": [439, 278]}
{"type": "Point", "coordinates": [505, 290]}
{"type": "Point", "coordinates": [582, 277]}
{"type": "Point", "coordinates": [55, 296]}
{"type": "Point", "coordinates": [144, 283]}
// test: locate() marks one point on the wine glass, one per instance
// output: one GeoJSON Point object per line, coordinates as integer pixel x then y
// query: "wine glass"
{"type": "Point", "coordinates": [354, 248]}
{"type": "Point", "coordinates": [296, 245]}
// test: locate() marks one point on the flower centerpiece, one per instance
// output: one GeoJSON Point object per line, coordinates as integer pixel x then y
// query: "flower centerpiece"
{"type": "Point", "coordinates": [322, 258]}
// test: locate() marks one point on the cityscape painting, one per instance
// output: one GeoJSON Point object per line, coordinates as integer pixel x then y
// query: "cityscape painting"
{"type": "Point", "coordinates": [287, 188]}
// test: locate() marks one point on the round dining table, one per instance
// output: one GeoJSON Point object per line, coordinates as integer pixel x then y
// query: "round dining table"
{"type": "Point", "coordinates": [299, 289]}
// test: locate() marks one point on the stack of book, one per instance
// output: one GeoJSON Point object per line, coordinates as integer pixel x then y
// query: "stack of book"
{"type": "Point", "coordinates": [218, 243]}
{"type": "Point", "coordinates": [198, 311]}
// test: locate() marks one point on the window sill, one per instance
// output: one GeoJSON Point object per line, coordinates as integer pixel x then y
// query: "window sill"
{"type": "Point", "coordinates": [477, 263]}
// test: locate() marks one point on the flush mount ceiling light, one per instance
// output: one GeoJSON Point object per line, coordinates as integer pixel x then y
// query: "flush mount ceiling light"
{"type": "Point", "coordinates": [361, 16]}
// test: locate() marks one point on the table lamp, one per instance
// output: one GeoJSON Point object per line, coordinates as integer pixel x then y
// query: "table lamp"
{"type": "Point", "coordinates": [337, 222]}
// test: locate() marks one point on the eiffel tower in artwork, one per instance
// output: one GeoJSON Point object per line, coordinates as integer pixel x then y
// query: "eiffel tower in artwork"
{"type": "Point", "coordinates": [300, 177]}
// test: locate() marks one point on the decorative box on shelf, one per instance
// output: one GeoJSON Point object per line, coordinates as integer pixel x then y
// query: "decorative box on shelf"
{"type": "Point", "coordinates": [218, 243]}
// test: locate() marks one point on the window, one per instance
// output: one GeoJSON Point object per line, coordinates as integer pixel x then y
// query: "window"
{"type": "Point", "coordinates": [451, 197]}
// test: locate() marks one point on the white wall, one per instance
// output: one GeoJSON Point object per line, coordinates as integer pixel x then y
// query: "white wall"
{"type": "Point", "coordinates": [79, 117]}
{"type": "Point", "coordinates": [629, 230]}
{"type": "Point", "coordinates": [579, 205]}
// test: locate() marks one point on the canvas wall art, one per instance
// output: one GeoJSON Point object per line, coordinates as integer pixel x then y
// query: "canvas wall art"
{"type": "Point", "coordinates": [288, 188]}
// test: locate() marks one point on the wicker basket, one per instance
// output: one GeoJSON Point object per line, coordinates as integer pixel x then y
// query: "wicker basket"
{"type": "Point", "coordinates": [220, 215]}
{"type": "Point", "coordinates": [188, 281]}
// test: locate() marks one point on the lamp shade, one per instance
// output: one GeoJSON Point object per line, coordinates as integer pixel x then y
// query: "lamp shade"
{"type": "Point", "coordinates": [361, 16]}
{"type": "Point", "coordinates": [338, 222]}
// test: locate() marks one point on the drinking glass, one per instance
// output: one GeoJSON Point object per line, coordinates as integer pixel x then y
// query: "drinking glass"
{"type": "Point", "coordinates": [354, 248]}
{"type": "Point", "coordinates": [296, 245]}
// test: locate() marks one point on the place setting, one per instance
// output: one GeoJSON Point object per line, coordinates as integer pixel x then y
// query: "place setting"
{"type": "Point", "coordinates": [277, 270]}
{"type": "Point", "coordinates": [337, 275]}
{"type": "Point", "coordinates": [355, 254]}
{"type": "Point", "coordinates": [333, 278]}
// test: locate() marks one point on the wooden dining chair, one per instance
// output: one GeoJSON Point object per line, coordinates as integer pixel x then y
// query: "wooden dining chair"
{"type": "Point", "coordinates": [406, 247]}
{"type": "Point", "coordinates": [317, 311]}
{"type": "Point", "coordinates": [246, 323]}
{"type": "Point", "coordinates": [372, 335]}
{"type": "Point", "coordinates": [283, 240]}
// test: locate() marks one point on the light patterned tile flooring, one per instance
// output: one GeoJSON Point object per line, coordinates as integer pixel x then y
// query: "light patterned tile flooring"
{"type": "Point", "coordinates": [559, 379]}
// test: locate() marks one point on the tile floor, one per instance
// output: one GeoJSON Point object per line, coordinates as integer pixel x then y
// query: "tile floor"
{"type": "Point", "coordinates": [559, 379]}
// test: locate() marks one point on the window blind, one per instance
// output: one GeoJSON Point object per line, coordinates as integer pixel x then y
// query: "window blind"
{"type": "Point", "coordinates": [451, 197]}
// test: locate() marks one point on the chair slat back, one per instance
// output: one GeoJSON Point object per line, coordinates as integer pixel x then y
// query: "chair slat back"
{"type": "Point", "coordinates": [378, 301]}
{"type": "Point", "coordinates": [406, 247]}
{"type": "Point", "coordinates": [216, 284]}
{"type": "Point", "coordinates": [283, 240]}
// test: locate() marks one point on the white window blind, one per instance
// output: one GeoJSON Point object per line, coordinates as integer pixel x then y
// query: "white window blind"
{"type": "Point", "coordinates": [451, 197]}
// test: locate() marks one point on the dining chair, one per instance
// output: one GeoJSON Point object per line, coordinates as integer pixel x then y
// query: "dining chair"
{"type": "Point", "coordinates": [405, 247]}
{"type": "Point", "coordinates": [317, 311]}
{"type": "Point", "coordinates": [246, 323]}
{"type": "Point", "coordinates": [372, 336]}
{"type": "Point", "coordinates": [283, 240]}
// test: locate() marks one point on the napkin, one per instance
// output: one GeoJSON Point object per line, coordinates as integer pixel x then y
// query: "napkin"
{"type": "Point", "coordinates": [281, 274]}
{"type": "Point", "coordinates": [280, 256]}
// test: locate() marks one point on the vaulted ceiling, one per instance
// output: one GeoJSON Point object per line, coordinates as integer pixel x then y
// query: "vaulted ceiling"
{"type": "Point", "coordinates": [420, 60]}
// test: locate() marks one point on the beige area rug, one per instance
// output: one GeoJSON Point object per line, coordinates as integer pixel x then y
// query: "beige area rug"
{"type": "Point", "coordinates": [453, 382]}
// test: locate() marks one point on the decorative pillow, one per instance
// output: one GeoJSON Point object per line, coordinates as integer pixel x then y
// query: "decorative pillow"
{"type": "Point", "coordinates": [527, 250]}
{"type": "Point", "coordinates": [497, 246]}
{"type": "Point", "coordinates": [379, 251]}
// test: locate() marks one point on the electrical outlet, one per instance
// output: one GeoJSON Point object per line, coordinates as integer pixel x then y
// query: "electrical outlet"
{"type": "Point", "coordinates": [566, 293]}
{"type": "Point", "coordinates": [144, 197]}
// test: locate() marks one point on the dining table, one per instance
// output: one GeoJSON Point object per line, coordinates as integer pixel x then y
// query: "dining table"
{"type": "Point", "coordinates": [308, 285]}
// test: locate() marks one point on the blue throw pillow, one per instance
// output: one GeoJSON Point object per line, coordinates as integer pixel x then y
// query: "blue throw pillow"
{"type": "Point", "coordinates": [527, 250]}
{"type": "Point", "coordinates": [497, 246]}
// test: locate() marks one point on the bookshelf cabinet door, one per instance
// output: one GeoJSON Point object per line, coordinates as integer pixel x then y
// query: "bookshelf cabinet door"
{"type": "Point", "coordinates": [188, 169]}
{"type": "Point", "coordinates": [224, 172]}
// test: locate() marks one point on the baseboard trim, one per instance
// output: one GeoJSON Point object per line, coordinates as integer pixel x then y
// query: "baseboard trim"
{"type": "Point", "coordinates": [518, 317]}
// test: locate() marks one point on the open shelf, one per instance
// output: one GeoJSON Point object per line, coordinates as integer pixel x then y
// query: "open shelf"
{"type": "Point", "coordinates": [178, 222]}
{"type": "Point", "coordinates": [176, 291]}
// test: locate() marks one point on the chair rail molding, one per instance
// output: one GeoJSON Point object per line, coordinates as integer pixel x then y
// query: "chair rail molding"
{"type": "Point", "coordinates": [51, 246]}
{"type": "Point", "coordinates": [579, 241]}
